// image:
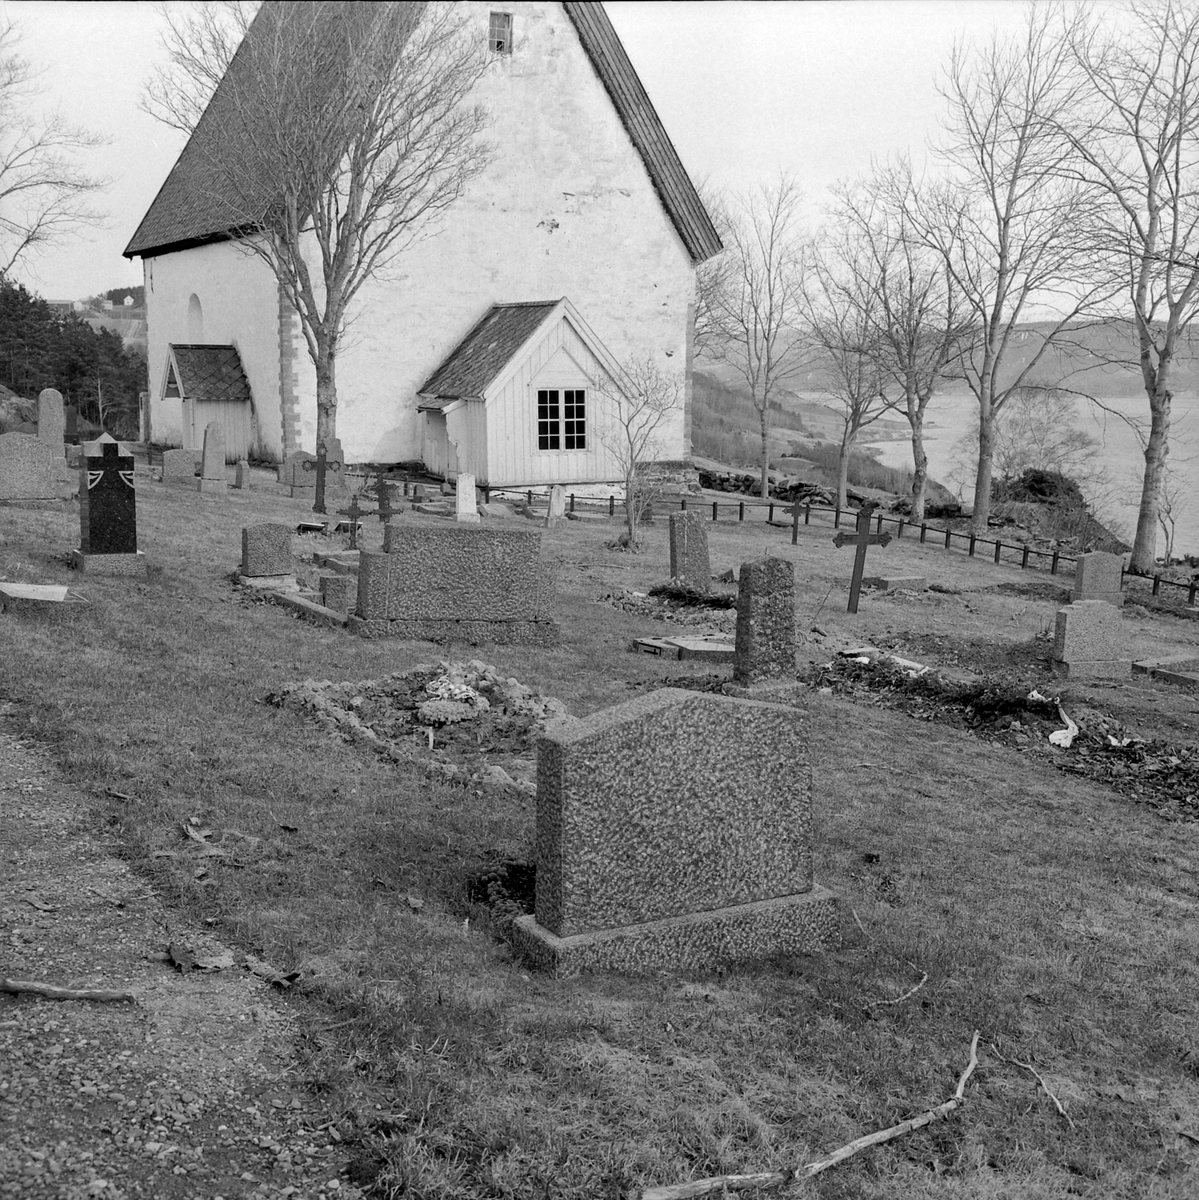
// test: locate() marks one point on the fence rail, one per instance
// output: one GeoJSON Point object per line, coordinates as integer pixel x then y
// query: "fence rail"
{"type": "Point", "coordinates": [1001, 552]}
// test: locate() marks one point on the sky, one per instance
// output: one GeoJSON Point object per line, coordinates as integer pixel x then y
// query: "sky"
{"type": "Point", "coordinates": [745, 89]}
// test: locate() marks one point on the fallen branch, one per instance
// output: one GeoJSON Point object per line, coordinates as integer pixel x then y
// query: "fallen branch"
{"type": "Point", "coordinates": [900, 999]}
{"type": "Point", "coordinates": [1044, 1086]}
{"type": "Point", "coordinates": [48, 991]}
{"type": "Point", "coordinates": [736, 1183]}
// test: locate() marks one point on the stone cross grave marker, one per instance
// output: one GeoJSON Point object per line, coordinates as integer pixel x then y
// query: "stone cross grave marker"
{"type": "Point", "coordinates": [674, 831]}
{"type": "Point", "coordinates": [689, 551]}
{"type": "Point", "coordinates": [354, 512]}
{"type": "Point", "coordinates": [861, 539]}
{"type": "Point", "coordinates": [212, 471]}
{"type": "Point", "coordinates": [51, 419]}
{"type": "Point", "coordinates": [108, 511]}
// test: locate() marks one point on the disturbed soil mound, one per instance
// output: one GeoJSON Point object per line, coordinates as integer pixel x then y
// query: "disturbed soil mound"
{"type": "Point", "coordinates": [467, 721]}
{"type": "Point", "coordinates": [679, 606]}
{"type": "Point", "coordinates": [1164, 775]}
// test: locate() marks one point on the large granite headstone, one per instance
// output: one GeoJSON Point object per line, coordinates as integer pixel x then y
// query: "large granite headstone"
{"type": "Point", "coordinates": [456, 582]}
{"type": "Point", "coordinates": [30, 470]}
{"type": "Point", "coordinates": [765, 653]}
{"type": "Point", "coordinates": [1099, 576]}
{"type": "Point", "coordinates": [674, 831]}
{"type": "Point", "coordinates": [689, 551]}
{"type": "Point", "coordinates": [51, 419]}
{"type": "Point", "coordinates": [179, 468]}
{"type": "Point", "coordinates": [212, 469]}
{"type": "Point", "coordinates": [108, 511]}
{"type": "Point", "coordinates": [266, 550]}
{"type": "Point", "coordinates": [1090, 642]}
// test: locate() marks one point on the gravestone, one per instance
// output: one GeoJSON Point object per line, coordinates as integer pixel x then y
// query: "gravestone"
{"type": "Point", "coordinates": [51, 419]}
{"type": "Point", "coordinates": [556, 513]}
{"type": "Point", "coordinates": [1099, 576]}
{"type": "Point", "coordinates": [338, 592]}
{"type": "Point", "coordinates": [689, 551]}
{"type": "Point", "coordinates": [266, 551]}
{"type": "Point", "coordinates": [292, 474]}
{"type": "Point", "coordinates": [108, 511]}
{"type": "Point", "coordinates": [456, 582]}
{"type": "Point", "coordinates": [674, 831]}
{"type": "Point", "coordinates": [179, 468]}
{"type": "Point", "coordinates": [212, 469]}
{"type": "Point", "coordinates": [241, 477]}
{"type": "Point", "coordinates": [765, 643]}
{"type": "Point", "coordinates": [466, 508]}
{"type": "Point", "coordinates": [1090, 642]}
{"type": "Point", "coordinates": [30, 470]}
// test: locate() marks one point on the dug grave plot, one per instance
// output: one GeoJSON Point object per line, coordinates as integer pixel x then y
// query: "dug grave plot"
{"type": "Point", "coordinates": [464, 721]}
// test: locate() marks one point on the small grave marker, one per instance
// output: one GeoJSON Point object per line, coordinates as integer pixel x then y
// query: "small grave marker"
{"type": "Point", "coordinates": [861, 539]}
{"type": "Point", "coordinates": [385, 511]}
{"type": "Point", "coordinates": [212, 471]}
{"type": "Point", "coordinates": [322, 465]}
{"type": "Point", "coordinates": [354, 512]}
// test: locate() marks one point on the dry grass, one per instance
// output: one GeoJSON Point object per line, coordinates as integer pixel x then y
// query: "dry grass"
{"type": "Point", "coordinates": [1047, 913]}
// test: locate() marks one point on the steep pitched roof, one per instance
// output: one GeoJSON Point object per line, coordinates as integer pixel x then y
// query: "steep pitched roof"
{"type": "Point", "coordinates": [195, 204]}
{"type": "Point", "coordinates": [486, 350]}
{"type": "Point", "coordinates": [209, 372]}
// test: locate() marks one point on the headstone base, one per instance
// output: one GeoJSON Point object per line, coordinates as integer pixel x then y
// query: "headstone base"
{"type": "Point", "coordinates": [468, 518]}
{"type": "Point", "coordinates": [1112, 668]}
{"type": "Point", "coordinates": [707, 649]}
{"type": "Point", "coordinates": [501, 633]}
{"type": "Point", "coordinates": [269, 583]}
{"type": "Point", "coordinates": [109, 564]}
{"type": "Point", "coordinates": [214, 487]}
{"type": "Point", "coordinates": [1116, 598]}
{"type": "Point", "coordinates": [802, 924]}
{"type": "Point", "coordinates": [782, 691]}
{"type": "Point", "coordinates": [303, 493]}
{"type": "Point", "coordinates": [909, 583]}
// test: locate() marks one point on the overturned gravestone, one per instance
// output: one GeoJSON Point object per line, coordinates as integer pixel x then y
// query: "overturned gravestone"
{"type": "Point", "coordinates": [212, 470]}
{"type": "Point", "coordinates": [108, 511]}
{"type": "Point", "coordinates": [179, 468]}
{"type": "Point", "coordinates": [689, 550]}
{"type": "Point", "coordinates": [1090, 643]}
{"type": "Point", "coordinates": [51, 419]}
{"type": "Point", "coordinates": [456, 582]}
{"type": "Point", "coordinates": [675, 831]}
{"type": "Point", "coordinates": [1099, 576]}
{"type": "Point", "coordinates": [31, 471]}
{"type": "Point", "coordinates": [764, 658]}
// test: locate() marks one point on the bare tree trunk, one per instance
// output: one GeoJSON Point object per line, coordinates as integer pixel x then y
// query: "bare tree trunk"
{"type": "Point", "coordinates": [843, 466]}
{"type": "Point", "coordinates": [919, 466]}
{"type": "Point", "coordinates": [326, 397]}
{"type": "Point", "coordinates": [982, 476]}
{"type": "Point", "coordinates": [762, 412]}
{"type": "Point", "coordinates": [630, 510]}
{"type": "Point", "coordinates": [1144, 546]}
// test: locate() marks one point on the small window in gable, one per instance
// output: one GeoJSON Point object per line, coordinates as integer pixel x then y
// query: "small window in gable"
{"type": "Point", "coordinates": [561, 419]}
{"type": "Point", "coordinates": [499, 34]}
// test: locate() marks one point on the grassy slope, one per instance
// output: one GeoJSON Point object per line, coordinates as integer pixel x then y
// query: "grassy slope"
{"type": "Point", "coordinates": [1048, 913]}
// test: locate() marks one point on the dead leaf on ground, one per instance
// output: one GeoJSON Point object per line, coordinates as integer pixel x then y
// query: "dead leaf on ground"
{"type": "Point", "coordinates": [181, 958]}
{"type": "Point", "coordinates": [197, 835]}
{"type": "Point", "coordinates": [415, 903]}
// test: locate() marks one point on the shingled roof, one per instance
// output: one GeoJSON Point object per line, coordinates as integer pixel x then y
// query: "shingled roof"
{"type": "Point", "coordinates": [485, 351]}
{"type": "Point", "coordinates": [197, 204]}
{"type": "Point", "coordinates": [209, 372]}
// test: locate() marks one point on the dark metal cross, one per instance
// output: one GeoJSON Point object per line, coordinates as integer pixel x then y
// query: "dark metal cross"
{"type": "Point", "coordinates": [385, 512]}
{"type": "Point", "coordinates": [861, 539]}
{"type": "Point", "coordinates": [353, 512]}
{"type": "Point", "coordinates": [321, 466]}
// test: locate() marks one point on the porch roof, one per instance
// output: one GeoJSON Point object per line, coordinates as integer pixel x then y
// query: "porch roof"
{"type": "Point", "coordinates": [209, 372]}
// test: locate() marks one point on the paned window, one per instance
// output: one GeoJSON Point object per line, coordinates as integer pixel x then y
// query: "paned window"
{"type": "Point", "coordinates": [561, 419]}
{"type": "Point", "coordinates": [499, 33]}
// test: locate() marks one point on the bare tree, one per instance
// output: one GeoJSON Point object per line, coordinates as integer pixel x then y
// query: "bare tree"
{"type": "Point", "coordinates": [199, 42]}
{"type": "Point", "coordinates": [339, 135]}
{"type": "Point", "coordinates": [635, 408]}
{"type": "Point", "coordinates": [1134, 136]}
{"type": "Point", "coordinates": [840, 301]}
{"type": "Point", "coordinates": [1014, 233]}
{"type": "Point", "coordinates": [44, 194]}
{"type": "Point", "coordinates": [754, 296]}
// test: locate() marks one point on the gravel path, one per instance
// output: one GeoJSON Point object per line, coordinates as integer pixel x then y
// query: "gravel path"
{"type": "Point", "coordinates": [189, 1091]}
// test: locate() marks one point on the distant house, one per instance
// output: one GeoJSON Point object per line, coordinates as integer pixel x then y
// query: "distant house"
{"type": "Point", "coordinates": [577, 248]}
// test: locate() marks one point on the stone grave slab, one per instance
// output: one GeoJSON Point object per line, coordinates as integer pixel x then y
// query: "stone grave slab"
{"type": "Point", "coordinates": [266, 550]}
{"type": "Point", "coordinates": [707, 649]}
{"type": "Point", "coordinates": [456, 582]}
{"type": "Point", "coordinates": [466, 508]}
{"type": "Point", "coordinates": [1090, 642]}
{"type": "Point", "coordinates": [1099, 576]}
{"type": "Point", "coordinates": [31, 470]}
{"type": "Point", "coordinates": [338, 592]}
{"type": "Point", "coordinates": [241, 475]}
{"type": "Point", "coordinates": [51, 419]}
{"type": "Point", "coordinates": [891, 583]}
{"type": "Point", "coordinates": [556, 513]}
{"type": "Point", "coordinates": [689, 550]}
{"type": "Point", "coordinates": [765, 644]}
{"type": "Point", "coordinates": [674, 831]}
{"type": "Point", "coordinates": [212, 468]}
{"type": "Point", "coordinates": [42, 600]}
{"type": "Point", "coordinates": [179, 468]}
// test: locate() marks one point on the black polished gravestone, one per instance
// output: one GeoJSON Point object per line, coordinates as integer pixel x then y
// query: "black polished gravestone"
{"type": "Point", "coordinates": [108, 511]}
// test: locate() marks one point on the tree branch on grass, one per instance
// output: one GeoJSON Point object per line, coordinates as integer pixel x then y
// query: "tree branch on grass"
{"type": "Point", "coordinates": [771, 1179]}
{"type": "Point", "coordinates": [1039, 1078]}
{"type": "Point", "coordinates": [49, 991]}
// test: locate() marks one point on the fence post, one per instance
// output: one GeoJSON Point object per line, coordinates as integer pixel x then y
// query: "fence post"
{"type": "Point", "coordinates": [572, 501]}
{"type": "Point", "coordinates": [611, 506]}
{"type": "Point", "coordinates": [769, 514]}
{"type": "Point", "coordinates": [795, 522]}
{"type": "Point", "coordinates": [1053, 563]}
{"type": "Point", "coordinates": [713, 510]}
{"type": "Point", "coordinates": [1024, 558]}
{"type": "Point", "coordinates": [998, 550]}
{"type": "Point", "coordinates": [807, 513]}
{"type": "Point", "coordinates": [879, 527]}
{"type": "Point", "coordinates": [899, 528]}
{"type": "Point", "coordinates": [923, 532]}
{"type": "Point", "coordinates": [741, 510]}
{"type": "Point", "coordinates": [837, 518]}
{"type": "Point", "coordinates": [1191, 591]}
{"type": "Point", "coordinates": [973, 539]}
{"type": "Point", "coordinates": [1157, 583]}
{"type": "Point", "coordinates": [948, 536]}
{"type": "Point", "coordinates": [529, 499]}
{"type": "Point", "coordinates": [684, 503]}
